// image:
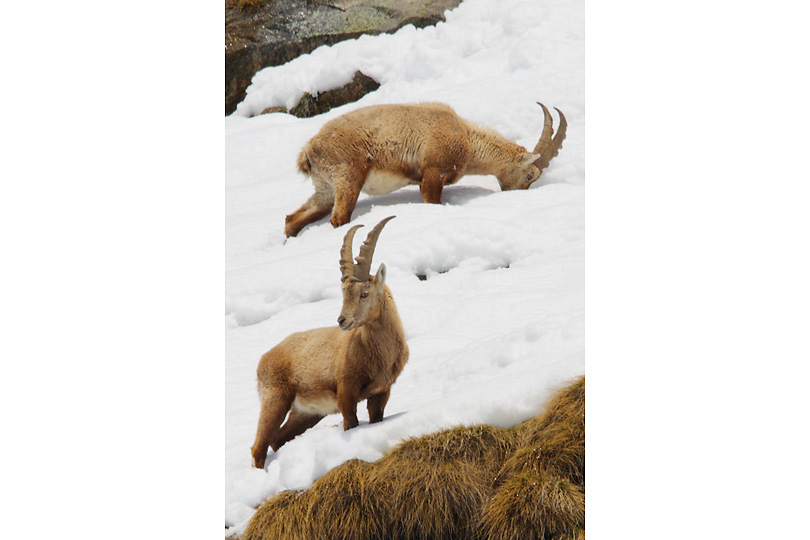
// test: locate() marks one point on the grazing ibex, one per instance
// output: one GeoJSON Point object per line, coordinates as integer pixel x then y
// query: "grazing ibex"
{"type": "Point", "coordinates": [382, 148]}
{"type": "Point", "coordinates": [329, 370]}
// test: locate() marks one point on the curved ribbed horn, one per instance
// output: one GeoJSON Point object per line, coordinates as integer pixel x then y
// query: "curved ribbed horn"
{"type": "Point", "coordinates": [547, 147]}
{"type": "Point", "coordinates": [346, 263]}
{"type": "Point", "coordinates": [363, 266]}
{"type": "Point", "coordinates": [548, 131]}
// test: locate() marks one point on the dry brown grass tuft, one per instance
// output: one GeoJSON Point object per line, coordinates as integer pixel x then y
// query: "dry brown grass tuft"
{"type": "Point", "coordinates": [532, 505]}
{"type": "Point", "coordinates": [526, 459]}
{"type": "Point", "coordinates": [466, 482]}
{"type": "Point", "coordinates": [339, 506]}
{"type": "Point", "coordinates": [486, 446]}
{"type": "Point", "coordinates": [283, 516]}
{"type": "Point", "coordinates": [440, 501]}
{"type": "Point", "coordinates": [556, 438]}
{"type": "Point", "coordinates": [579, 534]}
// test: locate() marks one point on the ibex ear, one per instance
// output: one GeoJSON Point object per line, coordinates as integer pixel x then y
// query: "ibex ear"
{"type": "Point", "coordinates": [529, 158]}
{"type": "Point", "coordinates": [380, 276]}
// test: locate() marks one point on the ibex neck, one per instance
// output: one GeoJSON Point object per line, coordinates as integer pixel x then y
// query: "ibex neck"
{"type": "Point", "coordinates": [491, 152]}
{"type": "Point", "coordinates": [384, 335]}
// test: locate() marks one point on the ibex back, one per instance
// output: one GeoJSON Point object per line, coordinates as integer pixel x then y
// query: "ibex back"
{"type": "Point", "coordinates": [328, 370]}
{"type": "Point", "coordinates": [382, 148]}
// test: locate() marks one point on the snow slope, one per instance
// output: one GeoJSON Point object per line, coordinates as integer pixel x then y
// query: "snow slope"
{"type": "Point", "coordinates": [498, 323]}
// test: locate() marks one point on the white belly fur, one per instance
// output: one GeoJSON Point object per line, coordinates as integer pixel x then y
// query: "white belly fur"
{"type": "Point", "coordinates": [381, 182]}
{"type": "Point", "coordinates": [321, 405]}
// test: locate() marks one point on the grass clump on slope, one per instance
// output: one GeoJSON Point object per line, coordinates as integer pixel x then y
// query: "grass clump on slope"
{"type": "Point", "coordinates": [477, 482]}
{"type": "Point", "coordinates": [339, 505]}
{"type": "Point", "coordinates": [440, 501]}
{"type": "Point", "coordinates": [485, 445]}
{"type": "Point", "coordinates": [533, 505]}
{"type": "Point", "coordinates": [556, 438]}
{"type": "Point", "coordinates": [283, 516]}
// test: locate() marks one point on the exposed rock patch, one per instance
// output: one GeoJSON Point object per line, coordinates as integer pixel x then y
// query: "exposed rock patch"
{"type": "Point", "coordinates": [278, 31]}
{"type": "Point", "coordinates": [310, 105]}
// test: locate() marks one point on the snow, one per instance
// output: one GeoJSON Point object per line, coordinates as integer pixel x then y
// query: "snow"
{"type": "Point", "coordinates": [490, 285]}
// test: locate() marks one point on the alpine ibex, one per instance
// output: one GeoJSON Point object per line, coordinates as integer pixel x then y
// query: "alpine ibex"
{"type": "Point", "coordinates": [329, 370]}
{"type": "Point", "coordinates": [382, 148]}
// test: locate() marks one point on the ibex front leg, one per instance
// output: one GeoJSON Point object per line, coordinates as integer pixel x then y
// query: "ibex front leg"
{"type": "Point", "coordinates": [347, 398]}
{"type": "Point", "coordinates": [376, 406]}
{"type": "Point", "coordinates": [433, 182]}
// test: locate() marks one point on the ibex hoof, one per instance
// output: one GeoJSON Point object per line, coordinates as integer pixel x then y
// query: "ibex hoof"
{"type": "Point", "coordinates": [258, 460]}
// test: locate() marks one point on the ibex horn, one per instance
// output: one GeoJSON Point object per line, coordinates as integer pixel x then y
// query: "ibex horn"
{"type": "Point", "coordinates": [547, 147]}
{"type": "Point", "coordinates": [346, 263]}
{"type": "Point", "coordinates": [363, 266]}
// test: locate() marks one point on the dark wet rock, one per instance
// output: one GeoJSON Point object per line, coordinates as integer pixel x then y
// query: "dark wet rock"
{"type": "Point", "coordinates": [280, 30]}
{"type": "Point", "coordinates": [311, 105]}
{"type": "Point", "coordinates": [270, 110]}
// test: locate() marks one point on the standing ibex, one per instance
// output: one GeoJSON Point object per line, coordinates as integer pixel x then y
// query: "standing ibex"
{"type": "Point", "coordinates": [329, 370]}
{"type": "Point", "coordinates": [382, 148]}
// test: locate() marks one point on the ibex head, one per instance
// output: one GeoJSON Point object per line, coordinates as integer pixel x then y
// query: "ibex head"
{"type": "Point", "coordinates": [529, 167]}
{"type": "Point", "coordinates": [362, 292]}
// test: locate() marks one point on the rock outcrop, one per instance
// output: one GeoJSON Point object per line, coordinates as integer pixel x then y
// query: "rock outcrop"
{"type": "Point", "coordinates": [280, 30]}
{"type": "Point", "coordinates": [320, 103]}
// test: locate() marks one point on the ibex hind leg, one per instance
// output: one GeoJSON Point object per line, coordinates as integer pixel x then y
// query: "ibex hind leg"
{"type": "Point", "coordinates": [348, 182]}
{"type": "Point", "coordinates": [297, 423]}
{"type": "Point", "coordinates": [274, 408]}
{"type": "Point", "coordinates": [317, 207]}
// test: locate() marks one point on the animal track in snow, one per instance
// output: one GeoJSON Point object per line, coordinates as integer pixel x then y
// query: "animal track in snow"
{"type": "Point", "coordinates": [425, 274]}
